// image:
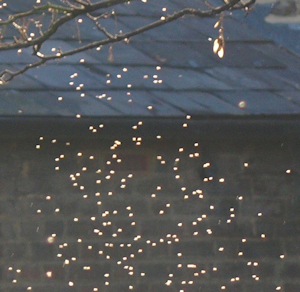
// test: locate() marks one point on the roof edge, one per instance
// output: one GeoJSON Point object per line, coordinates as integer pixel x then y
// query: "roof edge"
{"type": "Point", "coordinates": [206, 127]}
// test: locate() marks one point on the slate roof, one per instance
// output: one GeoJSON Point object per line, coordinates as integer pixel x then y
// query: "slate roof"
{"type": "Point", "coordinates": [169, 71]}
{"type": "Point", "coordinates": [284, 32]}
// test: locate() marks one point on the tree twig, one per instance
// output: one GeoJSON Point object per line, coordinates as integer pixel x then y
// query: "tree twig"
{"type": "Point", "coordinates": [71, 13]}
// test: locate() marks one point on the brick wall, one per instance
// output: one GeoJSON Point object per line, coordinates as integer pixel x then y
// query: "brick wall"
{"type": "Point", "coordinates": [192, 215]}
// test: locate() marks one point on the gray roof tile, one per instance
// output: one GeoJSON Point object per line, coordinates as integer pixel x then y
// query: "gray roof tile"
{"type": "Point", "coordinates": [243, 54]}
{"type": "Point", "coordinates": [237, 77]}
{"type": "Point", "coordinates": [169, 71]}
{"type": "Point", "coordinates": [233, 29]}
{"type": "Point", "coordinates": [63, 46]}
{"type": "Point", "coordinates": [164, 53]}
{"type": "Point", "coordinates": [138, 103]}
{"type": "Point", "coordinates": [68, 77]}
{"type": "Point", "coordinates": [259, 102]}
{"type": "Point", "coordinates": [292, 96]}
{"type": "Point", "coordinates": [174, 31]}
{"type": "Point", "coordinates": [190, 79]}
{"type": "Point", "coordinates": [275, 78]}
{"type": "Point", "coordinates": [198, 103]}
{"type": "Point", "coordinates": [123, 54]}
{"type": "Point", "coordinates": [13, 57]}
{"type": "Point", "coordinates": [152, 8]}
{"type": "Point", "coordinates": [26, 104]}
{"type": "Point", "coordinates": [88, 105]}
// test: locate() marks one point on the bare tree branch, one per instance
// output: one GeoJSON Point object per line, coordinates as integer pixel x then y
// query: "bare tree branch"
{"type": "Point", "coordinates": [35, 10]}
{"type": "Point", "coordinates": [99, 26]}
{"type": "Point", "coordinates": [67, 13]}
{"type": "Point", "coordinates": [70, 13]}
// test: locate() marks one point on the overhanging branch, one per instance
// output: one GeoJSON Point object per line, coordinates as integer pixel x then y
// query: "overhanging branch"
{"type": "Point", "coordinates": [86, 8]}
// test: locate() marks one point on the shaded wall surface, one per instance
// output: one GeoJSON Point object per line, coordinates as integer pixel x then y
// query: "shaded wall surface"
{"type": "Point", "coordinates": [181, 215]}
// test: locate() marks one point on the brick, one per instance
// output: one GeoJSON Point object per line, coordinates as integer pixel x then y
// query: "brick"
{"type": "Point", "coordinates": [8, 230]}
{"type": "Point", "coordinates": [223, 207]}
{"type": "Point", "coordinates": [85, 229]}
{"type": "Point", "coordinates": [106, 186]}
{"type": "Point", "coordinates": [86, 207]}
{"type": "Point", "coordinates": [8, 207]}
{"type": "Point", "coordinates": [167, 182]}
{"type": "Point", "coordinates": [54, 272]}
{"type": "Point", "coordinates": [259, 287]}
{"type": "Point", "coordinates": [128, 230]}
{"type": "Point", "coordinates": [156, 270]}
{"type": "Point", "coordinates": [234, 286]}
{"type": "Point", "coordinates": [227, 161]}
{"type": "Point", "coordinates": [160, 287]}
{"type": "Point", "coordinates": [116, 252]}
{"type": "Point", "coordinates": [160, 228]}
{"type": "Point", "coordinates": [164, 165]}
{"type": "Point", "coordinates": [87, 287]}
{"type": "Point", "coordinates": [138, 249]}
{"type": "Point", "coordinates": [207, 172]}
{"type": "Point", "coordinates": [120, 191]}
{"type": "Point", "coordinates": [293, 202]}
{"type": "Point", "coordinates": [228, 269]}
{"type": "Point", "coordinates": [291, 270]}
{"type": "Point", "coordinates": [261, 249]}
{"type": "Point", "coordinates": [33, 204]}
{"type": "Point", "coordinates": [292, 248]}
{"type": "Point", "coordinates": [265, 189]}
{"type": "Point", "coordinates": [226, 249]}
{"type": "Point", "coordinates": [265, 226]}
{"type": "Point", "coordinates": [271, 159]}
{"type": "Point", "coordinates": [117, 287]}
{"type": "Point", "coordinates": [229, 188]}
{"type": "Point", "coordinates": [30, 272]}
{"type": "Point", "coordinates": [188, 273]}
{"type": "Point", "coordinates": [204, 287]}
{"type": "Point", "coordinates": [15, 288]}
{"type": "Point", "coordinates": [100, 251]}
{"type": "Point", "coordinates": [200, 228]}
{"type": "Point", "coordinates": [67, 206]}
{"type": "Point", "coordinates": [160, 250]}
{"type": "Point", "coordinates": [112, 203]}
{"type": "Point", "coordinates": [125, 206]}
{"type": "Point", "coordinates": [90, 251]}
{"type": "Point", "coordinates": [291, 287]}
{"type": "Point", "coordinates": [14, 251]}
{"type": "Point", "coordinates": [191, 206]}
{"type": "Point", "coordinates": [54, 227]}
{"type": "Point", "coordinates": [265, 270]}
{"type": "Point", "coordinates": [47, 287]}
{"type": "Point", "coordinates": [31, 230]}
{"type": "Point", "coordinates": [130, 162]}
{"type": "Point", "coordinates": [245, 185]}
{"type": "Point", "coordinates": [25, 185]}
{"type": "Point", "coordinates": [193, 248]}
{"type": "Point", "coordinates": [120, 274]}
{"type": "Point", "coordinates": [42, 251]}
{"type": "Point", "coordinates": [265, 186]}
{"type": "Point", "coordinates": [90, 273]}
{"type": "Point", "coordinates": [235, 229]}
{"type": "Point", "coordinates": [69, 251]}
{"type": "Point", "coordinates": [4, 273]}
{"type": "Point", "coordinates": [288, 228]}
{"type": "Point", "coordinates": [270, 208]}
{"type": "Point", "coordinates": [160, 205]}
{"type": "Point", "coordinates": [7, 276]}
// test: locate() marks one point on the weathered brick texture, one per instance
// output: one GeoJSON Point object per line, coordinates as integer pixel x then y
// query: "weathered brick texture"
{"type": "Point", "coordinates": [213, 217]}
